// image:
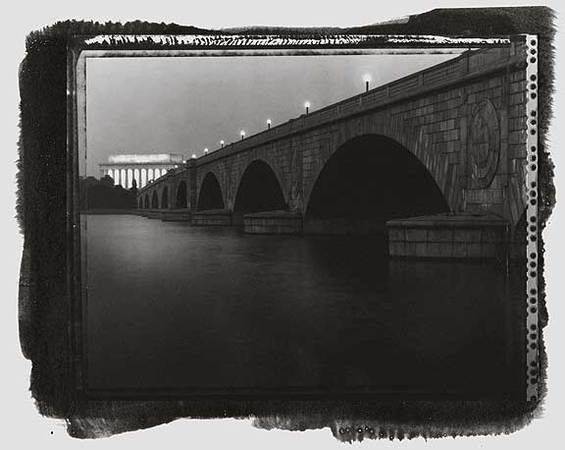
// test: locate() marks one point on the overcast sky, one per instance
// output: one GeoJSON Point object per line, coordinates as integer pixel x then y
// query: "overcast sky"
{"type": "Point", "coordinates": [182, 105]}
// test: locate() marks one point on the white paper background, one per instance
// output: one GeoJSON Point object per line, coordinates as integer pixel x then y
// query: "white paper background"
{"type": "Point", "coordinates": [23, 427]}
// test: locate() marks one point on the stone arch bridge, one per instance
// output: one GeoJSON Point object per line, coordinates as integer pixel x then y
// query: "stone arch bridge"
{"type": "Point", "coordinates": [437, 156]}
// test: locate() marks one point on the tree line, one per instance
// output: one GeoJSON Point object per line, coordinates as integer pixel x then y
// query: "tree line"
{"type": "Point", "coordinates": [104, 194]}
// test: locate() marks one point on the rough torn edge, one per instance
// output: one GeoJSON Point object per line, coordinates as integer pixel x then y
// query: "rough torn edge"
{"type": "Point", "coordinates": [338, 40]}
{"type": "Point", "coordinates": [92, 424]}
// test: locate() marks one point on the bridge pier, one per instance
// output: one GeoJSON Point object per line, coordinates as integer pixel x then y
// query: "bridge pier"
{"type": "Point", "coordinates": [212, 217]}
{"type": "Point", "coordinates": [176, 215]}
{"type": "Point", "coordinates": [154, 213]}
{"type": "Point", "coordinates": [344, 226]}
{"type": "Point", "coordinates": [272, 222]}
{"type": "Point", "coordinates": [448, 236]}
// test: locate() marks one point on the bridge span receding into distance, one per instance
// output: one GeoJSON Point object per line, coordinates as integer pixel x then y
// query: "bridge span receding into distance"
{"type": "Point", "coordinates": [436, 160]}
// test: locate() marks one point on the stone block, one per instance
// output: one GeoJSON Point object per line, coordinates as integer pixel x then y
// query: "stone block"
{"type": "Point", "coordinates": [474, 250]}
{"type": "Point", "coordinates": [453, 158]}
{"type": "Point", "coordinates": [451, 135]}
{"type": "Point", "coordinates": [447, 125]}
{"type": "Point", "coordinates": [494, 250]}
{"type": "Point", "coordinates": [440, 235]}
{"type": "Point", "coordinates": [452, 113]}
{"type": "Point", "coordinates": [518, 75]}
{"type": "Point", "coordinates": [416, 235]}
{"type": "Point", "coordinates": [517, 98]}
{"type": "Point", "coordinates": [441, 147]}
{"type": "Point", "coordinates": [397, 249]}
{"type": "Point", "coordinates": [444, 106]}
{"type": "Point", "coordinates": [396, 234]}
{"type": "Point", "coordinates": [444, 115]}
{"type": "Point", "coordinates": [421, 250]}
{"type": "Point", "coordinates": [467, 235]}
{"type": "Point", "coordinates": [410, 248]}
{"type": "Point", "coordinates": [517, 137]}
{"type": "Point", "coordinates": [154, 214]}
{"type": "Point", "coordinates": [493, 82]}
{"type": "Point", "coordinates": [517, 123]}
{"type": "Point", "coordinates": [445, 249]}
{"type": "Point", "coordinates": [435, 250]}
{"type": "Point", "coordinates": [518, 86]}
{"type": "Point", "coordinates": [495, 93]}
{"type": "Point", "coordinates": [489, 235]}
{"type": "Point", "coordinates": [459, 250]}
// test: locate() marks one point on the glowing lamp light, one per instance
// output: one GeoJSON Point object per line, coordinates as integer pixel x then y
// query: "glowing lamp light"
{"type": "Point", "coordinates": [206, 150]}
{"type": "Point", "coordinates": [269, 123]}
{"type": "Point", "coordinates": [242, 133]}
{"type": "Point", "coordinates": [367, 80]}
{"type": "Point", "coordinates": [307, 106]}
{"type": "Point", "coordinates": [222, 143]}
{"type": "Point", "coordinates": [194, 156]}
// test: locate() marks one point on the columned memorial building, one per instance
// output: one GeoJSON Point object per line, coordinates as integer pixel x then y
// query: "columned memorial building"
{"type": "Point", "coordinates": [141, 168]}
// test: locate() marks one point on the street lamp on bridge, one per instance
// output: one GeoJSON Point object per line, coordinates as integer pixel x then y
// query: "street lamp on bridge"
{"type": "Point", "coordinates": [242, 133]}
{"type": "Point", "coordinates": [206, 151]}
{"type": "Point", "coordinates": [268, 124]}
{"type": "Point", "coordinates": [367, 79]}
{"type": "Point", "coordinates": [307, 106]}
{"type": "Point", "coordinates": [222, 143]}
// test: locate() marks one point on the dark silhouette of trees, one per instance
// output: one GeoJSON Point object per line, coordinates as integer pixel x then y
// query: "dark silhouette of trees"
{"type": "Point", "coordinates": [106, 180]}
{"type": "Point", "coordinates": [103, 194]}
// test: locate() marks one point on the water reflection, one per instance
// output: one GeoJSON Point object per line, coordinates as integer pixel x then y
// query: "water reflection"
{"type": "Point", "coordinates": [174, 306]}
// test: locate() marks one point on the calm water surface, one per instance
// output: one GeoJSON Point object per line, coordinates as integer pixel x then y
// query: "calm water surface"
{"type": "Point", "coordinates": [172, 306]}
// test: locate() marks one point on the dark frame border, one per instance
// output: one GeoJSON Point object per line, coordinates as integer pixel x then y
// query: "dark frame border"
{"type": "Point", "coordinates": [44, 270]}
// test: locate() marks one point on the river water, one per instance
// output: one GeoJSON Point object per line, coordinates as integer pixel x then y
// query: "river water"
{"type": "Point", "coordinates": [170, 306]}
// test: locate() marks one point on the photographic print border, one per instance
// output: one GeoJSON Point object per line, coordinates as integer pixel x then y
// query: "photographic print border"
{"type": "Point", "coordinates": [73, 276]}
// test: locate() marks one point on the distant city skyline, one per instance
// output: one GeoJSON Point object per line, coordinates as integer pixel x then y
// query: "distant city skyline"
{"type": "Point", "coordinates": [164, 105]}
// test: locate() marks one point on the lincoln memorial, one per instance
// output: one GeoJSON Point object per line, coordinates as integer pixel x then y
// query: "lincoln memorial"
{"type": "Point", "coordinates": [141, 168]}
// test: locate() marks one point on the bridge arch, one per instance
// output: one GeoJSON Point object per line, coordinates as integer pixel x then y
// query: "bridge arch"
{"type": "Point", "coordinates": [259, 189]}
{"type": "Point", "coordinates": [181, 197]}
{"type": "Point", "coordinates": [155, 200]}
{"type": "Point", "coordinates": [368, 180]}
{"type": "Point", "coordinates": [410, 135]}
{"type": "Point", "coordinates": [210, 193]}
{"type": "Point", "coordinates": [165, 198]}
